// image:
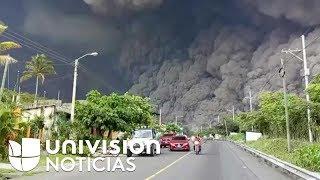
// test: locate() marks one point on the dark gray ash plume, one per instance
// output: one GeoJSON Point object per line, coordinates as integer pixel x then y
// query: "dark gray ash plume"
{"type": "Point", "coordinates": [198, 58]}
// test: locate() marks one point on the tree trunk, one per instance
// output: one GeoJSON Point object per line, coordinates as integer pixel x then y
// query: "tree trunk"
{"type": "Point", "coordinates": [41, 133]}
{"type": "Point", "coordinates": [28, 132]}
{"type": "Point", "coordinates": [109, 134]}
{"type": "Point", "coordinates": [36, 94]}
{"type": "Point", "coordinates": [94, 131]}
{"type": "Point", "coordinates": [4, 76]}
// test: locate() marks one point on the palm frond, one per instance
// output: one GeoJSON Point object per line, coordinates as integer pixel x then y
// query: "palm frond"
{"type": "Point", "coordinates": [5, 58]}
{"type": "Point", "coordinates": [39, 66]}
{"type": "Point", "coordinates": [5, 46]}
{"type": "Point", "coordinates": [26, 75]}
{"type": "Point", "coordinates": [2, 28]}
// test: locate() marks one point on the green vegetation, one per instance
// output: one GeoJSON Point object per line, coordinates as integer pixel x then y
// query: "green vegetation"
{"type": "Point", "coordinates": [239, 137]}
{"type": "Point", "coordinates": [25, 98]}
{"type": "Point", "coordinates": [303, 154]}
{"type": "Point", "coordinates": [5, 171]}
{"type": "Point", "coordinates": [39, 67]}
{"type": "Point", "coordinates": [114, 112]}
{"type": "Point", "coordinates": [309, 157]}
{"type": "Point", "coordinates": [8, 129]}
{"type": "Point", "coordinates": [172, 127]}
{"type": "Point", "coordinates": [269, 119]}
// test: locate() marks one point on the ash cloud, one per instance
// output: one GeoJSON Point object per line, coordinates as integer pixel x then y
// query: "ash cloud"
{"type": "Point", "coordinates": [198, 58]}
{"type": "Point", "coordinates": [223, 62]}
{"type": "Point", "coordinates": [62, 28]}
{"type": "Point", "coordinates": [120, 7]}
{"type": "Point", "coordinates": [301, 11]}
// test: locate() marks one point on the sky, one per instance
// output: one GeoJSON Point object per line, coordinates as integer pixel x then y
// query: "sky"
{"type": "Point", "coordinates": [191, 57]}
{"type": "Point", "coordinates": [99, 72]}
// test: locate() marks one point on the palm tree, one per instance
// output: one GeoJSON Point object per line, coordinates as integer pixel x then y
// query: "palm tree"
{"type": "Point", "coordinates": [5, 59]}
{"type": "Point", "coordinates": [39, 66]}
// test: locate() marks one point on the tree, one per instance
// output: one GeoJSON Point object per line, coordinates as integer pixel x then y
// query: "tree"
{"type": "Point", "coordinates": [7, 129]}
{"type": "Point", "coordinates": [172, 127]}
{"type": "Point", "coordinates": [113, 112]}
{"type": "Point", "coordinates": [314, 92]}
{"type": "Point", "coordinates": [5, 59]}
{"type": "Point", "coordinates": [39, 67]}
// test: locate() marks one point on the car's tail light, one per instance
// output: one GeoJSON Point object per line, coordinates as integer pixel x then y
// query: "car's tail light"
{"type": "Point", "coordinates": [185, 144]}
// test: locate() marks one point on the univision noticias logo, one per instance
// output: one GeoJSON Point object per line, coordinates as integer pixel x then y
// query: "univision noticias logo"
{"type": "Point", "coordinates": [26, 156]}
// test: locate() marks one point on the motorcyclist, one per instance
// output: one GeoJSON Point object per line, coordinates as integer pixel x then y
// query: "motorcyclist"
{"type": "Point", "coordinates": [197, 138]}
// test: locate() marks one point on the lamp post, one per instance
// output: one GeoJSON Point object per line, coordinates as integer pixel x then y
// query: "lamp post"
{"type": "Point", "coordinates": [74, 89]}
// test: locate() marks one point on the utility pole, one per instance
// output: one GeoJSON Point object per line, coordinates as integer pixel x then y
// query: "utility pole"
{"type": "Point", "coordinates": [210, 124]}
{"type": "Point", "coordinates": [225, 124]}
{"type": "Point", "coordinates": [218, 117]}
{"type": "Point", "coordinates": [19, 89]}
{"type": "Point", "coordinates": [250, 103]}
{"type": "Point", "coordinates": [160, 116]}
{"type": "Point", "coordinates": [233, 113]}
{"type": "Point", "coordinates": [4, 79]}
{"type": "Point", "coordinates": [176, 121]}
{"type": "Point", "coordinates": [282, 73]}
{"type": "Point", "coordinates": [306, 79]}
{"type": "Point", "coordinates": [58, 95]}
{"type": "Point", "coordinates": [250, 100]}
{"type": "Point", "coordinates": [9, 76]}
{"type": "Point", "coordinates": [74, 89]}
{"type": "Point", "coordinates": [16, 86]}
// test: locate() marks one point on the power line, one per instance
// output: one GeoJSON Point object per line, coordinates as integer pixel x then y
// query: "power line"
{"type": "Point", "coordinates": [36, 43]}
{"type": "Point", "coordinates": [34, 47]}
{"type": "Point", "coordinates": [27, 42]}
{"type": "Point", "coordinates": [50, 80]}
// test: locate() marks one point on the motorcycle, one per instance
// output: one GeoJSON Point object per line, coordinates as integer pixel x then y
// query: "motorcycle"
{"type": "Point", "coordinates": [197, 147]}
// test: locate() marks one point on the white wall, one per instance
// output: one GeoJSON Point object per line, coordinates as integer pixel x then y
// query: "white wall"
{"type": "Point", "coordinates": [49, 113]}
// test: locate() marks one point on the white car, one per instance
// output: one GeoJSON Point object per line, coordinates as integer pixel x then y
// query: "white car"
{"type": "Point", "coordinates": [144, 136]}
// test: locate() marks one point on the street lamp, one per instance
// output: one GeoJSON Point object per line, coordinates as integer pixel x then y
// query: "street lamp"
{"type": "Point", "coordinates": [74, 89]}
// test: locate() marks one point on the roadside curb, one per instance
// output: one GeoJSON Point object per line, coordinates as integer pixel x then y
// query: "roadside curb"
{"type": "Point", "coordinates": [285, 167]}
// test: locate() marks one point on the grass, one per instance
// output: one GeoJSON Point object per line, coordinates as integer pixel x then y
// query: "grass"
{"type": "Point", "coordinates": [278, 148]}
{"type": "Point", "coordinates": [5, 171]}
{"type": "Point", "coordinates": [239, 137]}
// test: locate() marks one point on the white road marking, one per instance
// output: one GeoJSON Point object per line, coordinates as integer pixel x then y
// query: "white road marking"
{"type": "Point", "coordinates": [163, 169]}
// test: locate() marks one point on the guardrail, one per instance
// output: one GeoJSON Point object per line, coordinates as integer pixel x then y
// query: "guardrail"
{"type": "Point", "coordinates": [290, 169]}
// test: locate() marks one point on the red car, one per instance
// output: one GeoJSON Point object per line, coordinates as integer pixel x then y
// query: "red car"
{"type": "Point", "coordinates": [165, 139]}
{"type": "Point", "coordinates": [179, 143]}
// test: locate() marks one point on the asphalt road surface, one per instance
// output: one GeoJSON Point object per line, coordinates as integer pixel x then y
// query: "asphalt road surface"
{"type": "Point", "coordinates": [218, 161]}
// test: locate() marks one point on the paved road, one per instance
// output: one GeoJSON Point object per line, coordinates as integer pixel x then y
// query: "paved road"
{"type": "Point", "coordinates": [218, 161]}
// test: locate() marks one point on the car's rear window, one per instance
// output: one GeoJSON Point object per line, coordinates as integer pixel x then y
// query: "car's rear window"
{"type": "Point", "coordinates": [179, 138]}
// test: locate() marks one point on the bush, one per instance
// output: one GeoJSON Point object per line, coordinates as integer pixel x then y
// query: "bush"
{"type": "Point", "coordinates": [239, 137]}
{"type": "Point", "coordinates": [278, 148]}
{"type": "Point", "coordinates": [309, 157]}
